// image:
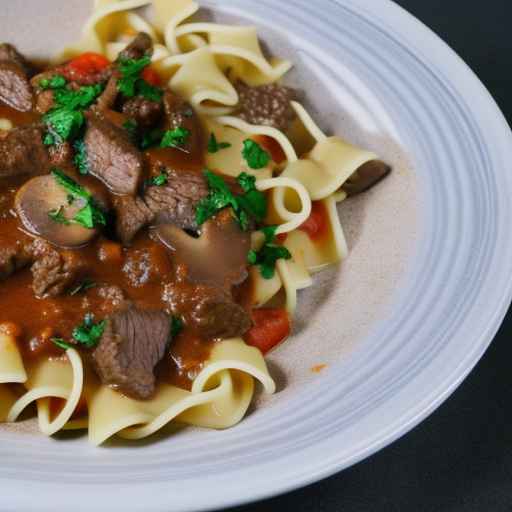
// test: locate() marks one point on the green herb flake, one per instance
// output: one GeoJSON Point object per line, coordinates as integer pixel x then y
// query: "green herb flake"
{"type": "Point", "coordinates": [269, 254]}
{"type": "Point", "coordinates": [148, 91]}
{"type": "Point", "coordinates": [176, 326]}
{"type": "Point", "coordinates": [80, 158]}
{"type": "Point", "coordinates": [63, 123]}
{"type": "Point", "coordinates": [214, 146]}
{"type": "Point", "coordinates": [48, 139]}
{"type": "Point", "coordinates": [89, 333]}
{"type": "Point", "coordinates": [255, 156]}
{"type": "Point", "coordinates": [160, 180]}
{"type": "Point", "coordinates": [61, 343]}
{"type": "Point", "coordinates": [175, 138]}
{"type": "Point", "coordinates": [131, 84]}
{"type": "Point", "coordinates": [85, 285]}
{"type": "Point", "coordinates": [57, 215]}
{"type": "Point", "coordinates": [55, 82]}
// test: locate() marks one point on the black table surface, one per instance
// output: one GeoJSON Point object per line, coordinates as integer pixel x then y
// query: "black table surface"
{"type": "Point", "coordinates": [459, 459]}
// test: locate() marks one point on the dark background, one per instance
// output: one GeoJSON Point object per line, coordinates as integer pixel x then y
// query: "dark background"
{"type": "Point", "coordinates": [460, 459]}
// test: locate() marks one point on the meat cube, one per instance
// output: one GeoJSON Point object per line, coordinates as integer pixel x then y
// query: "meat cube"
{"type": "Point", "coordinates": [141, 46]}
{"type": "Point", "coordinates": [133, 343]}
{"type": "Point", "coordinates": [267, 105]}
{"type": "Point", "coordinates": [112, 157]}
{"type": "Point", "coordinates": [175, 202]}
{"type": "Point", "coordinates": [132, 215]}
{"type": "Point", "coordinates": [22, 152]}
{"type": "Point", "coordinates": [14, 255]}
{"type": "Point", "coordinates": [53, 272]}
{"type": "Point", "coordinates": [15, 88]}
{"type": "Point", "coordinates": [145, 112]}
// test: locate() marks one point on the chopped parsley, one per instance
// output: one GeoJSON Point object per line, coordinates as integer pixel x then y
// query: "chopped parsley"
{"type": "Point", "coordinates": [252, 204]}
{"type": "Point", "coordinates": [66, 118]}
{"type": "Point", "coordinates": [175, 138]}
{"type": "Point", "coordinates": [57, 215]}
{"type": "Point", "coordinates": [159, 180]}
{"type": "Point", "coordinates": [131, 84]}
{"type": "Point", "coordinates": [90, 216]}
{"type": "Point", "coordinates": [55, 82]}
{"type": "Point", "coordinates": [87, 334]}
{"type": "Point", "coordinates": [176, 326]}
{"type": "Point", "coordinates": [80, 158]}
{"type": "Point", "coordinates": [85, 285]}
{"type": "Point", "coordinates": [268, 255]}
{"type": "Point", "coordinates": [214, 146]}
{"type": "Point", "coordinates": [255, 156]}
{"type": "Point", "coordinates": [48, 139]}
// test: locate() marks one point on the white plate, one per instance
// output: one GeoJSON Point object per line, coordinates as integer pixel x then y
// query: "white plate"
{"type": "Point", "coordinates": [413, 309]}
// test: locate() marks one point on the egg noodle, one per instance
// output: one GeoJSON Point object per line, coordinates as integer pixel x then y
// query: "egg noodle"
{"type": "Point", "coordinates": [201, 62]}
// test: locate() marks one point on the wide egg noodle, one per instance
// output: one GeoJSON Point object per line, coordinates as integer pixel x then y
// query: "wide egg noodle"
{"type": "Point", "coordinates": [12, 369]}
{"type": "Point", "coordinates": [219, 398]}
{"type": "Point", "coordinates": [52, 379]}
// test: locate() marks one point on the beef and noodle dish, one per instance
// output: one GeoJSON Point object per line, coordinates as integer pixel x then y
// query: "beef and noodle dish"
{"type": "Point", "coordinates": [163, 197]}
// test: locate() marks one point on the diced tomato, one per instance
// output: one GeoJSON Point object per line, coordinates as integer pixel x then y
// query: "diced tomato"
{"type": "Point", "coordinates": [85, 67]}
{"type": "Point", "coordinates": [151, 76]}
{"type": "Point", "coordinates": [282, 237]}
{"type": "Point", "coordinates": [271, 327]}
{"type": "Point", "coordinates": [317, 224]}
{"type": "Point", "coordinates": [273, 147]}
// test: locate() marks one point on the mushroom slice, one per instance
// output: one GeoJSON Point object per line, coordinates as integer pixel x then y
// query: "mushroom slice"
{"type": "Point", "coordinates": [45, 208]}
{"type": "Point", "coordinates": [218, 256]}
{"type": "Point", "coordinates": [366, 177]}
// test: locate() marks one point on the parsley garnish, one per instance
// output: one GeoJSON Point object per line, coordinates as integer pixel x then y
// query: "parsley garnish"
{"type": "Point", "coordinates": [55, 82]}
{"type": "Point", "coordinates": [87, 334]}
{"type": "Point", "coordinates": [85, 285]}
{"type": "Point", "coordinates": [255, 156]}
{"type": "Point", "coordinates": [175, 138]}
{"type": "Point", "coordinates": [91, 214]}
{"type": "Point", "coordinates": [80, 159]}
{"type": "Point", "coordinates": [252, 204]}
{"type": "Point", "coordinates": [176, 326]}
{"type": "Point", "coordinates": [160, 180]}
{"type": "Point", "coordinates": [57, 215]}
{"type": "Point", "coordinates": [131, 84]}
{"type": "Point", "coordinates": [48, 139]}
{"type": "Point", "coordinates": [214, 146]}
{"type": "Point", "coordinates": [66, 118]}
{"type": "Point", "coordinates": [267, 256]}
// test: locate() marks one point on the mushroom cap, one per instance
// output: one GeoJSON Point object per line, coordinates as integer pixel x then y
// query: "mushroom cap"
{"type": "Point", "coordinates": [42, 195]}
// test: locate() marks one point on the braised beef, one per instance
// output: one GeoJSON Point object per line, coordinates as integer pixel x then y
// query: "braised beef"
{"type": "Point", "coordinates": [15, 88]}
{"type": "Point", "coordinates": [267, 105]}
{"type": "Point", "coordinates": [180, 114]}
{"type": "Point", "coordinates": [22, 152]}
{"type": "Point", "coordinates": [132, 215]}
{"type": "Point", "coordinates": [108, 97]}
{"type": "Point", "coordinates": [140, 47]}
{"type": "Point", "coordinates": [144, 112]}
{"type": "Point", "coordinates": [61, 154]}
{"type": "Point", "coordinates": [53, 272]}
{"type": "Point", "coordinates": [175, 202]}
{"type": "Point", "coordinates": [112, 157]}
{"type": "Point", "coordinates": [367, 176]}
{"type": "Point", "coordinates": [209, 310]}
{"type": "Point", "coordinates": [44, 101]}
{"type": "Point", "coordinates": [14, 255]}
{"type": "Point", "coordinates": [133, 343]}
{"type": "Point", "coordinates": [9, 53]}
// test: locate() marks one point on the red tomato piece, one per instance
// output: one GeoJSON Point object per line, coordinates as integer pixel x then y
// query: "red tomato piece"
{"type": "Point", "coordinates": [85, 67]}
{"type": "Point", "coordinates": [151, 76]}
{"type": "Point", "coordinates": [317, 224]}
{"type": "Point", "coordinates": [271, 146]}
{"type": "Point", "coordinates": [271, 327]}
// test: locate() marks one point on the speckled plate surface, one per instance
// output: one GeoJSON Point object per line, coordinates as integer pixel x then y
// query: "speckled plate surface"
{"type": "Point", "coordinates": [398, 327]}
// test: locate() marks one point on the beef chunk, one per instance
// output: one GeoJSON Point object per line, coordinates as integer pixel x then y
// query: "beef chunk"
{"type": "Point", "coordinates": [44, 101]}
{"type": "Point", "coordinates": [180, 114]}
{"type": "Point", "coordinates": [133, 343]}
{"type": "Point", "coordinates": [140, 47]}
{"type": "Point", "coordinates": [8, 53]}
{"type": "Point", "coordinates": [61, 154]}
{"type": "Point", "coordinates": [267, 105]}
{"type": "Point", "coordinates": [145, 112]}
{"type": "Point", "coordinates": [53, 272]}
{"type": "Point", "coordinates": [14, 255]}
{"type": "Point", "coordinates": [132, 215]}
{"type": "Point", "coordinates": [209, 310]}
{"type": "Point", "coordinates": [15, 88]}
{"type": "Point", "coordinates": [175, 202]}
{"type": "Point", "coordinates": [112, 157]}
{"type": "Point", "coordinates": [108, 97]}
{"type": "Point", "coordinates": [22, 152]}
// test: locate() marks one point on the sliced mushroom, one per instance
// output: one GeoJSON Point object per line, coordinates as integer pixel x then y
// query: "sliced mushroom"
{"type": "Point", "coordinates": [36, 201]}
{"type": "Point", "coordinates": [367, 176]}
{"type": "Point", "coordinates": [218, 256]}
